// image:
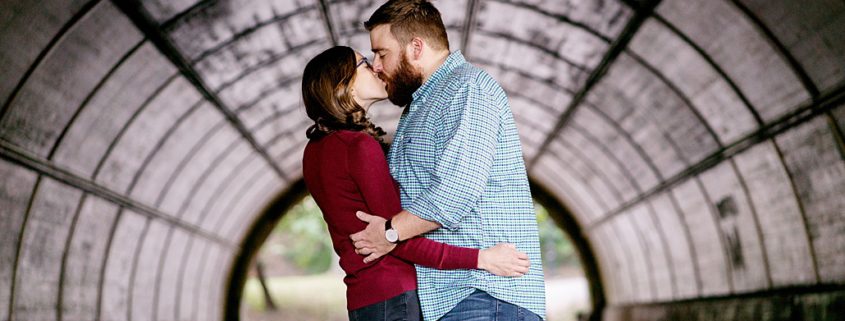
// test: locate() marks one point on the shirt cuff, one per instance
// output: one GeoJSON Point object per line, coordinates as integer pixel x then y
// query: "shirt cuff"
{"type": "Point", "coordinates": [425, 209]}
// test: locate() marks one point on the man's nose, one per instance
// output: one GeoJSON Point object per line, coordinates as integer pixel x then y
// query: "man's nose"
{"type": "Point", "coordinates": [377, 66]}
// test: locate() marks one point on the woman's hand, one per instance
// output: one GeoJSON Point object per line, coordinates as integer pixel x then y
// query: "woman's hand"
{"type": "Point", "coordinates": [504, 260]}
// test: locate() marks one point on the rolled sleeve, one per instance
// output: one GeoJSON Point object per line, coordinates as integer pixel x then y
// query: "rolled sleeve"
{"type": "Point", "coordinates": [424, 208]}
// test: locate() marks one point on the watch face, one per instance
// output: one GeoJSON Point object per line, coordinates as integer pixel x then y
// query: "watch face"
{"type": "Point", "coordinates": [391, 235]}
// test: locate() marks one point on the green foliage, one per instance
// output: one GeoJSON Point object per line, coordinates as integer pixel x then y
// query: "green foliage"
{"type": "Point", "coordinates": [558, 250]}
{"type": "Point", "coordinates": [305, 238]}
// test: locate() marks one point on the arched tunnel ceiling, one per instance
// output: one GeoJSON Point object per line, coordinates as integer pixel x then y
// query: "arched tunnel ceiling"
{"type": "Point", "coordinates": [698, 144]}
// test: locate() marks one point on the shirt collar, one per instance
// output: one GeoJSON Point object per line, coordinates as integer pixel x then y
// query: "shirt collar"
{"type": "Point", "coordinates": [454, 60]}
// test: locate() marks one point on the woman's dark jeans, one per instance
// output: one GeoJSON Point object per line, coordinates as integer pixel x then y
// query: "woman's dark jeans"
{"type": "Point", "coordinates": [403, 307]}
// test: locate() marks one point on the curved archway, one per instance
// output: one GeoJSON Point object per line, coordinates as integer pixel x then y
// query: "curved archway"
{"type": "Point", "coordinates": [698, 144]}
{"type": "Point", "coordinates": [274, 211]}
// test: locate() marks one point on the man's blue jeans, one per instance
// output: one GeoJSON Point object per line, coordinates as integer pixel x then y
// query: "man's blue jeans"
{"type": "Point", "coordinates": [480, 306]}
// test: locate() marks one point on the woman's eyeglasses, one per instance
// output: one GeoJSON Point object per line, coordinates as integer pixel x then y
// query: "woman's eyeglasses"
{"type": "Point", "coordinates": [364, 60]}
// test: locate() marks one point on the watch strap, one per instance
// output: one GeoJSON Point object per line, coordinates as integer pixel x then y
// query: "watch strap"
{"type": "Point", "coordinates": [388, 227]}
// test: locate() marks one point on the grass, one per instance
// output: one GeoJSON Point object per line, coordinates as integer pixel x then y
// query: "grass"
{"type": "Point", "coordinates": [321, 296]}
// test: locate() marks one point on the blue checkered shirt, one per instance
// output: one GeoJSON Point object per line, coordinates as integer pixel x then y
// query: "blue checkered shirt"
{"type": "Point", "coordinates": [458, 161]}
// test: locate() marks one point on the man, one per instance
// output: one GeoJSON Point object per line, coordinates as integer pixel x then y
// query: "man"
{"type": "Point", "coordinates": [458, 160]}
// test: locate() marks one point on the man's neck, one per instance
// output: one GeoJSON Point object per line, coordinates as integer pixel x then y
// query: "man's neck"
{"type": "Point", "coordinates": [438, 61]}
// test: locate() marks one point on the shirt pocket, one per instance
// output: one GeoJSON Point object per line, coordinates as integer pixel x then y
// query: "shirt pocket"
{"type": "Point", "coordinates": [420, 147]}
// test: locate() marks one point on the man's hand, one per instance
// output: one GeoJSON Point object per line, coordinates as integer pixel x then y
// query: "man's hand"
{"type": "Point", "coordinates": [371, 241]}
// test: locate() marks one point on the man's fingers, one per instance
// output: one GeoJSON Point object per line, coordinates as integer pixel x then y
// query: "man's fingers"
{"type": "Point", "coordinates": [371, 257]}
{"type": "Point", "coordinates": [522, 256]}
{"type": "Point", "coordinates": [357, 236]}
{"type": "Point", "coordinates": [364, 216]}
{"type": "Point", "coordinates": [362, 244]}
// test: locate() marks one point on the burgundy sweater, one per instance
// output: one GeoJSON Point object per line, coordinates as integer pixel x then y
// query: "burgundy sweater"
{"type": "Point", "coordinates": [347, 172]}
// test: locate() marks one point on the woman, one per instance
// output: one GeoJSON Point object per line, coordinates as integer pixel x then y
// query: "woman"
{"type": "Point", "coordinates": [346, 171]}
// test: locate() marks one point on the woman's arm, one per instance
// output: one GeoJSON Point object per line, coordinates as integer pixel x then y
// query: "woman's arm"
{"type": "Point", "coordinates": [433, 254]}
{"type": "Point", "coordinates": [502, 260]}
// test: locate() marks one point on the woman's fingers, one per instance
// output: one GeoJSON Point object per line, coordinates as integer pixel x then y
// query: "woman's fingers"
{"type": "Point", "coordinates": [504, 259]}
{"type": "Point", "coordinates": [520, 268]}
{"type": "Point", "coordinates": [518, 272]}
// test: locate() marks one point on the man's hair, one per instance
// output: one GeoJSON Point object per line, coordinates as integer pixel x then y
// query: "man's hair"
{"type": "Point", "coordinates": [409, 19]}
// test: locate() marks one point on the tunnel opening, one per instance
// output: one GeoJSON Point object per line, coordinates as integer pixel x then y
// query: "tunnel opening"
{"type": "Point", "coordinates": [550, 211]}
{"type": "Point", "coordinates": [724, 119]}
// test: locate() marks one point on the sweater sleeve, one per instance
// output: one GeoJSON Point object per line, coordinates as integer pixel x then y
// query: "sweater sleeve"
{"type": "Point", "coordinates": [368, 168]}
{"type": "Point", "coordinates": [433, 254]}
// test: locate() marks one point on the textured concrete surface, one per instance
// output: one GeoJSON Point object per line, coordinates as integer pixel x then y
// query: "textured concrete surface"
{"type": "Point", "coordinates": [700, 152]}
{"type": "Point", "coordinates": [817, 306]}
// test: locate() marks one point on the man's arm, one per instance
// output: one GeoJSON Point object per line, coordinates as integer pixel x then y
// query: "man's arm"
{"type": "Point", "coordinates": [458, 179]}
{"type": "Point", "coordinates": [409, 225]}
{"type": "Point", "coordinates": [372, 242]}
{"type": "Point", "coordinates": [463, 167]}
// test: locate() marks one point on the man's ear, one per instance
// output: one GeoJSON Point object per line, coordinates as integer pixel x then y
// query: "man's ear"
{"type": "Point", "coordinates": [417, 46]}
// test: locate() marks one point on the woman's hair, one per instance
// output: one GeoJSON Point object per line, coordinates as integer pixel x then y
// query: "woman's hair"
{"type": "Point", "coordinates": [327, 95]}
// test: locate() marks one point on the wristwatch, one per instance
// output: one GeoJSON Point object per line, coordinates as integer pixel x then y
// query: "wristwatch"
{"type": "Point", "coordinates": [390, 234]}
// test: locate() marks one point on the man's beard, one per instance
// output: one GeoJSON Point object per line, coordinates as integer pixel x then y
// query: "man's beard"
{"type": "Point", "coordinates": [402, 85]}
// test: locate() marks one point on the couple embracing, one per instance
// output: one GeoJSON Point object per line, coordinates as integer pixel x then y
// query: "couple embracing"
{"type": "Point", "coordinates": [440, 225]}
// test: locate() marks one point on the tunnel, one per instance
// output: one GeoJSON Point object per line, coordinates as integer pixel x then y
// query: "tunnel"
{"type": "Point", "coordinates": [692, 149]}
